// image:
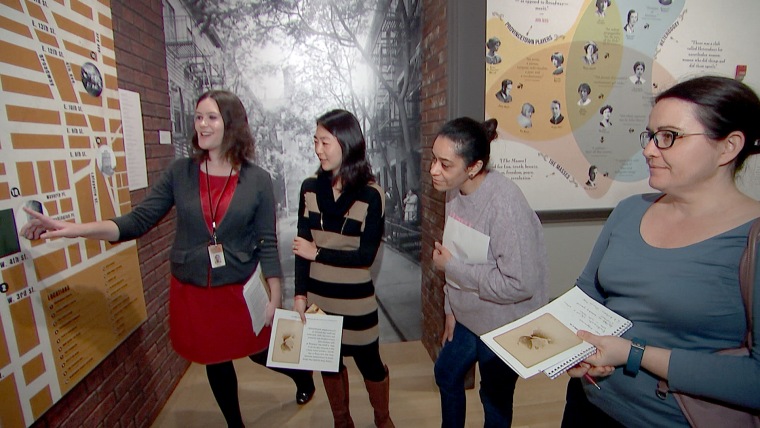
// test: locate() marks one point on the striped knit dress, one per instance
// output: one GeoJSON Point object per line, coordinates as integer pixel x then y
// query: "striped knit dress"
{"type": "Point", "coordinates": [347, 232]}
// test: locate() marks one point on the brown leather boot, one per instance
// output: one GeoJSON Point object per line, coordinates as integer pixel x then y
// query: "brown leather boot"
{"type": "Point", "coordinates": [379, 397]}
{"type": "Point", "coordinates": [336, 387]}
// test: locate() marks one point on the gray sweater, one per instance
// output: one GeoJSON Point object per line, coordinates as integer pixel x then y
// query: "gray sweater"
{"type": "Point", "coordinates": [514, 281]}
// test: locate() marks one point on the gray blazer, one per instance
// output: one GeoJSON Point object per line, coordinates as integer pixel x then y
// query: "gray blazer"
{"type": "Point", "coordinates": [247, 231]}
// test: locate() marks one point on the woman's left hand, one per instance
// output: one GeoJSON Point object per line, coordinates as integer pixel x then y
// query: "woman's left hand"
{"type": "Point", "coordinates": [441, 256]}
{"type": "Point", "coordinates": [583, 368]}
{"type": "Point", "coordinates": [304, 248]}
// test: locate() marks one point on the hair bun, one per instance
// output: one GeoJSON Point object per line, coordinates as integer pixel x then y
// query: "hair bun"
{"type": "Point", "coordinates": [490, 127]}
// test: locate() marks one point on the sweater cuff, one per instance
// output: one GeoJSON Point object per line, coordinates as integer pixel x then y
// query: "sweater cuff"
{"type": "Point", "coordinates": [456, 272]}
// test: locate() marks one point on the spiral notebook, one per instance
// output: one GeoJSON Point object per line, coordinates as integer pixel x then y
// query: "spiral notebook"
{"type": "Point", "coordinates": [545, 340]}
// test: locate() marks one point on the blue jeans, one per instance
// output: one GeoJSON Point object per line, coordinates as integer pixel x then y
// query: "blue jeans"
{"type": "Point", "coordinates": [497, 380]}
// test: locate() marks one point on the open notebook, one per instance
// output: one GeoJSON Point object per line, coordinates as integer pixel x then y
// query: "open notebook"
{"type": "Point", "coordinates": [545, 340]}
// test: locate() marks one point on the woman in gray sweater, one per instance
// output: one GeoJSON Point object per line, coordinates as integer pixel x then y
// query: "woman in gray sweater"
{"type": "Point", "coordinates": [480, 297]}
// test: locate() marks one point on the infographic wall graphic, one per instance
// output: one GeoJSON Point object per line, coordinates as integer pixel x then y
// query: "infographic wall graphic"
{"type": "Point", "coordinates": [66, 303]}
{"type": "Point", "coordinates": [571, 83]}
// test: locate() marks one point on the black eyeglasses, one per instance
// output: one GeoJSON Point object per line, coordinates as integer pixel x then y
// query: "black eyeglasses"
{"type": "Point", "coordinates": [663, 139]}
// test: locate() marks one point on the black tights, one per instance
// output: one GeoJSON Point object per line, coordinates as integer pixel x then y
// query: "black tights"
{"type": "Point", "coordinates": [224, 385]}
{"type": "Point", "coordinates": [367, 359]}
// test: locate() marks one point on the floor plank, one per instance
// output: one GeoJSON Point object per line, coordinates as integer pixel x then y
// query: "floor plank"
{"type": "Point", "coordinates": [267, 398]}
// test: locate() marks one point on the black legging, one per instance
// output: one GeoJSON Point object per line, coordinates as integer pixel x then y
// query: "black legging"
{"type": "Point", "coordinates": [223, 381]}
{"type": "Point", "coordinates": [367, 359]}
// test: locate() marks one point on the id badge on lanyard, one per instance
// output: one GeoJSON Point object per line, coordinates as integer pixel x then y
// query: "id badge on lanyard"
{"type": "Point", "coordinates": [215, 249]}
{"type": "Point", "coordinates": [216, 255]}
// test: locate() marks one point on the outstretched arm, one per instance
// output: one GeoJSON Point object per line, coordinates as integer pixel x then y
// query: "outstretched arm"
{"type": "Point", "coordinates": [44, 227]}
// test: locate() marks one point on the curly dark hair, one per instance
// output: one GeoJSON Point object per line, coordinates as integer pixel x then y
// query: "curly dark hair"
{"type": "Point", "coordinates": [355, 170]}
{"type": "Point", "coordinates": [238, 145]}
{"type": "Point", "coordinates": [472, 139]}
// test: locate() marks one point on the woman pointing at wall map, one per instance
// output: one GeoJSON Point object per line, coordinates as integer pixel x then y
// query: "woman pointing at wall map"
{"type": "Point", "coordinates": [225, 227]}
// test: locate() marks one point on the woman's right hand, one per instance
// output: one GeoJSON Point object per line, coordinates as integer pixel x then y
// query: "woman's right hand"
{"type": "Point", "coordinates": [448, 329]}
{"type": "Point", "coordinates": [299, 305]}
{"type": "Point", "coordinates": [42, 226]}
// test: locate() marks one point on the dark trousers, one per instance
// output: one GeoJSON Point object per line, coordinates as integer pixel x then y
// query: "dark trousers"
{"type": "Point", "coordinates": [497, 380]}
{"type": "Point", "coordinates": [580, 413]}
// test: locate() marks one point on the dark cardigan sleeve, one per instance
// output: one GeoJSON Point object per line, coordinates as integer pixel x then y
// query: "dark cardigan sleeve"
{"type": "Point", "coordinates": [151, 210]}
{"type": "Point", "coordinates": [265, 227]}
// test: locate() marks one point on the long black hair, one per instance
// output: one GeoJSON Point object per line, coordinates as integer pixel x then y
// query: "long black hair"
{"type": "Point", "coordinates": [355, 170]}
{"type": "Point", "coordinates": [238, 145]}
{"type": "Point", "coordinates": [722, 106]}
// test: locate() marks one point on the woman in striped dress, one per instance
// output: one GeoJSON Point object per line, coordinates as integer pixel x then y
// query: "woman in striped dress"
{"type": "Point", "coordinates": [340, 225]}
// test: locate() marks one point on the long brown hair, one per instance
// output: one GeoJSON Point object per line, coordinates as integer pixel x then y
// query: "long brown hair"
{"type": "Point", "coordinates": [238, 144]}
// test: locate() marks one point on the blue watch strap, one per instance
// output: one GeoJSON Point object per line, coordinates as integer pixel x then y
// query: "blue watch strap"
{"type": "Point", "coordinates": [633, 364]}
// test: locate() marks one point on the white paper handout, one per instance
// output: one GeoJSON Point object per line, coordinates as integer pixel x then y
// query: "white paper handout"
{"type": "Point", "coordinates": [256, 295]}
{"type": "Point", "coordinates": [311, 346]}
{"type": "Point", "coordinates": [465, 243]}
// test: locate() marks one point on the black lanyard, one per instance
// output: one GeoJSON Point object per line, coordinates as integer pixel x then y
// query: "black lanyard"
{"type": "Point", "coordinates": [214, 209]}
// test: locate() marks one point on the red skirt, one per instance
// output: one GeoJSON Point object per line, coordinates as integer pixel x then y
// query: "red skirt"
{"type": "Point", "coordinates": [211, 325]}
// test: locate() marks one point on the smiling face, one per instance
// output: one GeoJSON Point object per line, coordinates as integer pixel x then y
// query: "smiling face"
{"type": "Point", "coordinates": [328, 150]}
{"type": "Point", "coordinates": [692, 159]}
{"type": "Point", "coordinates": [209, 125]}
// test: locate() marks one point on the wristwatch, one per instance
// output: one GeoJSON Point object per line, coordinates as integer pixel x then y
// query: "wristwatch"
{"type": "Point", "coordinates": [634, 357]}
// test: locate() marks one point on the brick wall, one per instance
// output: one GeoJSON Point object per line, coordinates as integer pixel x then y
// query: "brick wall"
{"type": "Point", "coordinates": [434, 114]}
{"type": "Point", "coordinates": [131, 386]}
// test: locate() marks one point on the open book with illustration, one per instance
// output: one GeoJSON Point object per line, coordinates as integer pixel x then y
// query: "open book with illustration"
{"type": "Point", "coordinates": [314, 345]}
{"type": "Point", "coordinates": [545, 340]}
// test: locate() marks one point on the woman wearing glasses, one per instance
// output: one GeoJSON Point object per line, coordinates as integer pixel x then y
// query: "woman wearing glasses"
{"type": "Point", "coordinates": [657, 248]}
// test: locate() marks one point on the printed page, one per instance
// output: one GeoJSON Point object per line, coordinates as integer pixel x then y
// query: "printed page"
{"type": "Point", "coordinates": [537, 342]}
{"type": "Point", "coordinates": [311, 346]}
{"type": "Point", "coordinates": [465, 243]}
{"type": "Point", "coordinates": [256, 295]}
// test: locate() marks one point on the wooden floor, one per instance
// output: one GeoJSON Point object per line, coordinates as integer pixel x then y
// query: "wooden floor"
{"type": "Point", "coordinates": [267, 398]}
